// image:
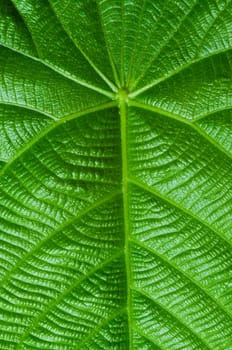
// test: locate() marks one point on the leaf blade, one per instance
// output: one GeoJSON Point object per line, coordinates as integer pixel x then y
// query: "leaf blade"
{"type": "Point", "coordinates": [115, 188]}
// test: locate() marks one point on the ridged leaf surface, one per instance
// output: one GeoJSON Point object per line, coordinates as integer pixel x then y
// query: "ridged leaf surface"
{"type": "Point", "coordinates": [115, 175]}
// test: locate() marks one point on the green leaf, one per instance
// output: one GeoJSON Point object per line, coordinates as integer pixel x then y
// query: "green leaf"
{"type": "Point", "coordinates": [115, 174]}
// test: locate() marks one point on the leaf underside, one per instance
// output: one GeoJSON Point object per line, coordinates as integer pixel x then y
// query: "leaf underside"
{"type": "Point", "coordinates": [115, 174]}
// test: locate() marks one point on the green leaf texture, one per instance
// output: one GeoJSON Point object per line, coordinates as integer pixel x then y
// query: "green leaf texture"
{"type": "Point", "coordinates": [115, 174]}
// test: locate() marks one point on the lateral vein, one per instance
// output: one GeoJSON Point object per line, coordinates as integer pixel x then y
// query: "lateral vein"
{"type": "Point", "coordinates": [44, 132]}
{"type": "Point", "coordinates": [182, 120]}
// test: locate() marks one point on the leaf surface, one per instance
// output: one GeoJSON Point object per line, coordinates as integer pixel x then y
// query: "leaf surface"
{"type": "Point", "coordinates": [115, 175]}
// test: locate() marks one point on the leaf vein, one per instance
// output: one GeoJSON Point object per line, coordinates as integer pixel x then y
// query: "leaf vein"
{"type": "Point", "coordinates": [174, 204]}
{"type": "Point", "coordinates": [175, 317]}
{"type": "Point", "coordinates": [182, 120]}
{"type": "Point", "coordinates": [61, 72]}
{"type": "Point", "coordinates": [178, 71]}
{"type": "Point", "coordinates": [61, 296]}
{"type": "Point", "coordinates": [51, 127]}
{"type": "Point", "coordinates": [165, 43]}
{"type": "Point", "coordinates": [99, 72]}
{"type": "Point", "coordinates": [99, 327]}
{"type": "Point", "coordinates": [183, 273]}
{"type": "Point", "coordinates": [71, 221]}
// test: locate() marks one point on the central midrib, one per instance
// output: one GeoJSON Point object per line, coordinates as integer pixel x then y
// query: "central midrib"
{"type": "Point", "coordinates": [122, 101]}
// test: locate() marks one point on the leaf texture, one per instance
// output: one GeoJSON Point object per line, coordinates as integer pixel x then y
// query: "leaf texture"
{"type": "Point", "coordinates": [115, 175]}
